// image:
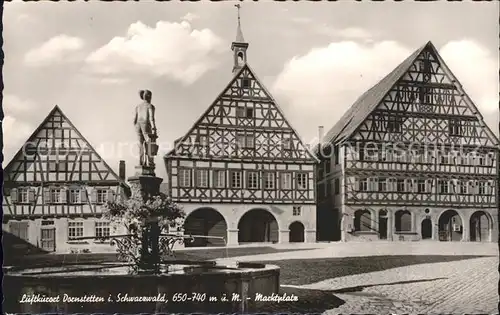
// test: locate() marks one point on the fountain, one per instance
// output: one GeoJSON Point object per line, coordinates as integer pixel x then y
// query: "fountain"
{"type": "Point", "coordinates": [143, 280]}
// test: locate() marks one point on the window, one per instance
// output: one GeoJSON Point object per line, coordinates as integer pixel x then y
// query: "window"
{"type": "Point", "coordinates": [337, 186]}
{"type": "Point", "coordinates": [481, 160]}
{"type": "Point", "coordinates": [445, 158]}
{"type": "Point", "coordinates": [286, 180]}
{"type": "Point", "coordinates": [245, 141]}
{"type": "Point", "coordinates": [58, 166]}
{"type": "Point", "coordinates": [244, 112]}
{"type": "Point", "coordinates": [403, 221]}
{"type": "Point", "coordinates": [394, 124]}
{"type": "Point", "coordinates": [253, 180]}
{"type": "Point", "coordinates": [362, 220]}
{"type": "Point", "coordinates": [202, 141]}
{"type": "Point", "coordinates": [336, 154]}
{"type": "Point", "coordinates": [269, 180]}
{"type": "Point", "coordinates": [297, 210]}
{"type": "Point", "coordinates": [236, 179]}
{"type": "Point", "coordinates": [301, 181]}
{"type": "Point", "coordinates": [75, 196]}
{"type": "Point", "coordinates": [219, 178]}
{"type": "Point", "coordinates": [202, 178]}
{"type": "Point", "coordinates": [443, 186]}
{"type": "Point", "coordinates": [184, 177]}
{"type": "Point", "coordinates": [482, 188]}
{"type": "Point", "coordinates": [328, 165]}
{"type": "Point", "coordinates": [400, 185]}
{"type": "Point", "coordinates": [382, 184]}
{"type": "Point", "coordinates": [287, 142]}
{"type": "Point", "coordinates": [421, 187]}
{"type": "Point", "coordinates": [102, 229]}
{"type": "Point", "coordinates": [55, 195]}
{"type": "Point", "coordinates": [245, 82]}
{"type": "Point", "coordinates": [75, 229]}
{"type": "Point", "coordinates": [370, 155]}
{"type": "Point", "coordinates": [363, 184]}
{"type": "Point", "coordinates": [463, 187]}
{"type": "Point", "coordinates": [101, 195]}
{"type": "Point", "coordinates": [455, 127]}
{"type": "Point", "coordinates": [465, 159]}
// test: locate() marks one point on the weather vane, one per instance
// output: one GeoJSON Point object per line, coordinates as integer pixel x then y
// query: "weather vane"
{"type": "Point", "coordinates": [239, 7]}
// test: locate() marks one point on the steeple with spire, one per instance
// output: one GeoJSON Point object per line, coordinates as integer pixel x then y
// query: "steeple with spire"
{"type": "Point", "coordinates": [239, 46]}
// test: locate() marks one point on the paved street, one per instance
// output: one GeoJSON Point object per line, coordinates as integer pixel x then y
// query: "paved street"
{"type": "Point", "coordinates": [467, 286]}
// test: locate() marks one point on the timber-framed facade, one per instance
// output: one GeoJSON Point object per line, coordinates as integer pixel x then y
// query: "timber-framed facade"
{"type": "Point", "coordinates": [412, 159]}
{"type": "Point", "coordinates": [55, 187]}
{"type": "Point", "coordinates": [241, 172]}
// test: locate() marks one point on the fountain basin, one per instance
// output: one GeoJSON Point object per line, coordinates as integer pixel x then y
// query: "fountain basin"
{"type": "Point", "coordinates": [109, 288]}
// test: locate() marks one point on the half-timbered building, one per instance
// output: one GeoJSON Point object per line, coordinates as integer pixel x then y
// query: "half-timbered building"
{"type": "Point", "coordinates": [412, 159]}
{"type": "Point", "coordinates": [241, 172]}
{"type": "Point", "coordinates": [54, 189]}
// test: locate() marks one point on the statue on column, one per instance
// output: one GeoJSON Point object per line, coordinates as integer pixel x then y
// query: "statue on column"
{"type": "Point", "coordinates": [145, 127]}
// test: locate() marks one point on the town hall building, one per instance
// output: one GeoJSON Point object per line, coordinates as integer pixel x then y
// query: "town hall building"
{"type": "Point", "coordinates": [241, 172]}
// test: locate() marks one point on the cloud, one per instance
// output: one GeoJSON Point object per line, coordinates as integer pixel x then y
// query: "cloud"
{"type": "Point", "coordinates": [15, 133]}
{"type": "Point", "coordinates": [326, 81]}
{"type": "Point", "coordinates": [350, 33]}
{"type": "Point", "coordinates": [190, 17]}
{"type": "Point", "coordinates": [58, 49]}
{"type": "Point", "coordinates": [174, 50]}
{"type": "Point", "coordinates": [13, 104]}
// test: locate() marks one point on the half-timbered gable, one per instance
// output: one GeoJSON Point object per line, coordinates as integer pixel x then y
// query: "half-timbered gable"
{"type": "Point", "coordinates": [242, 151]}
{"type": "Point", "coordinates": [55, 179]}
{"type": "Point", "coordinates": [414, 141]}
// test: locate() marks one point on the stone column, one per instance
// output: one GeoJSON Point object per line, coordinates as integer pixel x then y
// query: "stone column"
{"type": "Point", "coordinates": [390, 225]}
{"type": "Point", "coordinates": [232, 236]}
{"type": "Point", "coordinates": [310, 236]}
{"type": "Point", "coordinates": [466, 228]}
{"type": "Point", "coordinates": [284, 236]}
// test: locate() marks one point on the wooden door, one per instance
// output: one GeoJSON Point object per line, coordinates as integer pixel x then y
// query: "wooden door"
{"type": "Point", "coordinates": [48, 239]}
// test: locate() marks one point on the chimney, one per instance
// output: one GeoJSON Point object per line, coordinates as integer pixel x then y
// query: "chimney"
{"type": "Point", "coordinates": [321, 131]}
{"type": "Point", "coordinates": [121, 170]}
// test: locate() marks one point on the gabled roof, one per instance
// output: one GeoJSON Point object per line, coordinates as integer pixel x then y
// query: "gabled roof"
{"type": "Point", "coordinates": [247, 67]}
{"type": "Point", "coordinates": [369, 101]}
{"type": "Point", "coordinates": [42, 125]}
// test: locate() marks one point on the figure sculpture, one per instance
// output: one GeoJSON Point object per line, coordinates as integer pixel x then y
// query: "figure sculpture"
{"type": "Point", "coordinates": [145, 127]}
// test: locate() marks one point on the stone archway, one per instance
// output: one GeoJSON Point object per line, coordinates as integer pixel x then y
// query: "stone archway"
{"type": "Point", "coordinates": [296, 232]}
{"type": "Point", "coordinates": [426, 229]}
{"type": "Point", "coordinates": [206, 222]}
{"type": "Point", "coordinates": [450, 226]}
{"type": "Point", "coordinates": [480, 227]}
{"type": "Point", "coordinates": [258, 226]}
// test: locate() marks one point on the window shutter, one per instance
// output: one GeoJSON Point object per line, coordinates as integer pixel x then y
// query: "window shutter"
{"type": "Point", "coordinates": [83, 195]}
{"type": "Point", "coordinates": [110, 195]}
{"type": "Point", "coordinates": [31, 195]}
{"type": "Point", "coordinates": [93, 195]}
{"type": "Point", "coordinates": [64, 195]}
{"type": "Point", "coordinates": [357, 183]}
{"type": "Point", "coordinates": [13, 195]}
{"type": "Point", "coordinates": [46, 195]}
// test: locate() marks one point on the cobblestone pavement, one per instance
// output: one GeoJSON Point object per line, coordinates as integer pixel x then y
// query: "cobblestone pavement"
{"type": "Point", "coordinates": [458, 287]}
{"type": "Point", "coordinates": [467, 286]}
{"type": "Point", "coordinates": [358, 249]}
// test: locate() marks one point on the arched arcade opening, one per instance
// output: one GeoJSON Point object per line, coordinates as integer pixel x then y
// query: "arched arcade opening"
{"type": "Point", "coordinates": [480, 227]}
{"type": "Point", "coordinates": [450, 226]}
{"type": "Point", "coordinates": [296, 232]}
{"type": "Point", "coordinates": [426, 229]}
{"type": "Point", "coordinates": [205, 222]}
{"type": "Point", "coordinates": [258, 226]}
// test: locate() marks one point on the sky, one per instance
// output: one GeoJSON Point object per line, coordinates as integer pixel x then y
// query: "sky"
{"type": "Point", "coordinates": [316, 58]}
